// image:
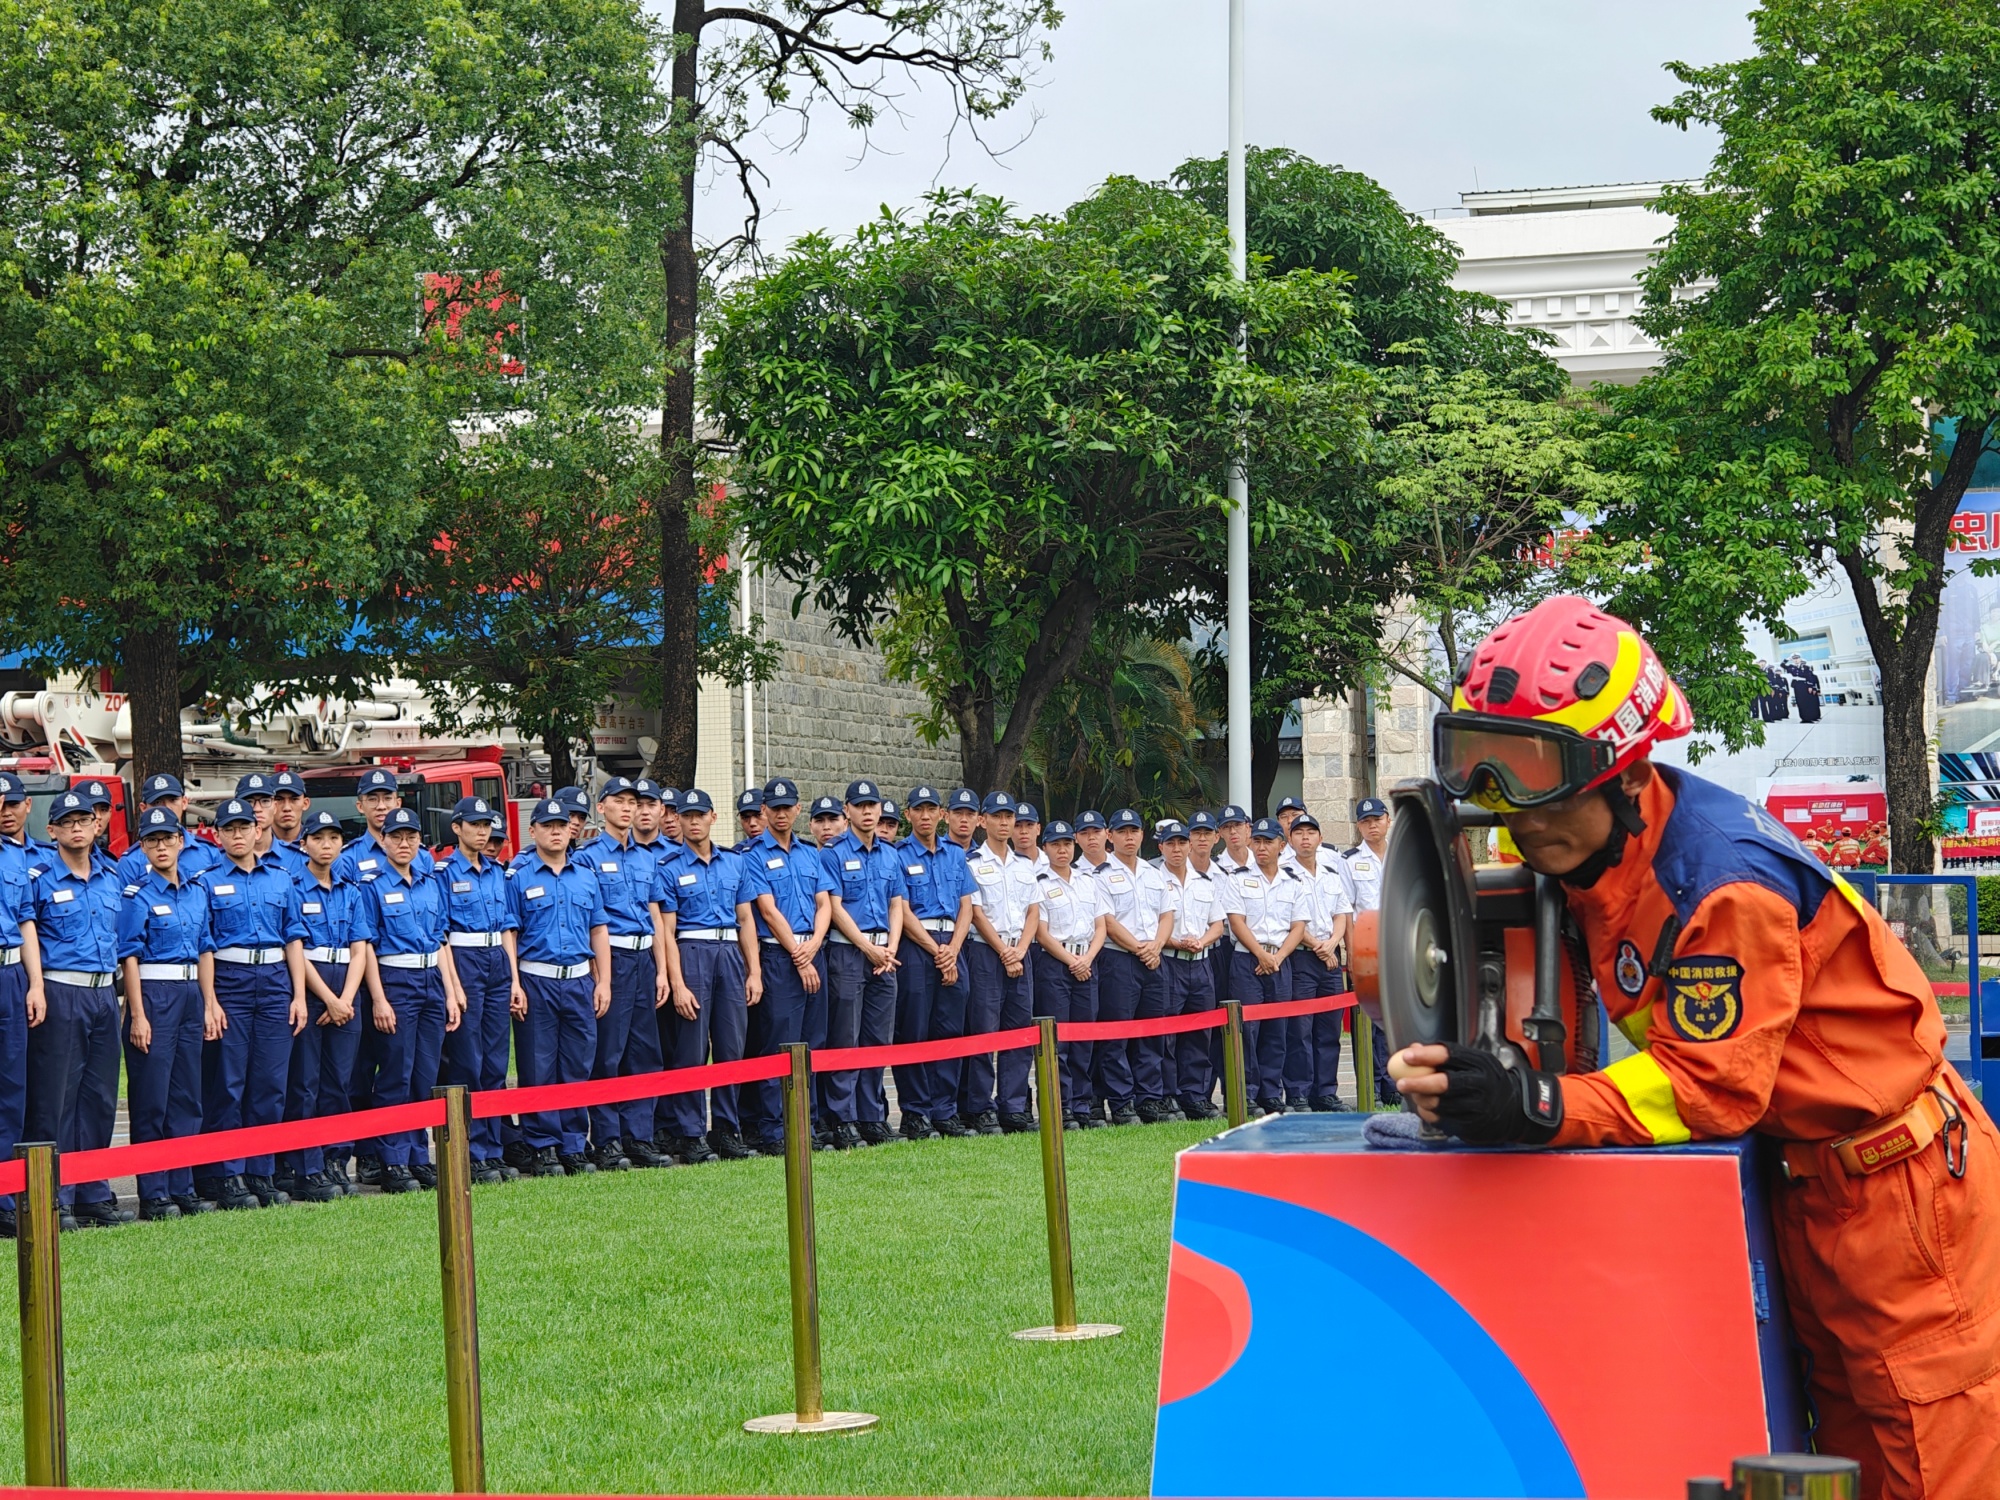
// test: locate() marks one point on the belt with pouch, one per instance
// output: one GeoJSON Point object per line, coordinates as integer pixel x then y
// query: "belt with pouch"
{"type": "Point", "coordinates": [876, 937]}
{"type": "Point", "coordinates": [704, 935]}
{"type": "Point", "coordinates": [554, 971]}
{"type": "Point", "coordinates": [636, 941]}
{"type": "Point", "coordinates": [250, 955]}
{"type": "Point", "coordinates": [407, 960]}
{"type": "Point", "coordinates": [77, 979]}
{"type": "Point", "coordinates": [169, 971]}
{"type": "Point", "coordinates": [325, 955]}
{"type": "Point", "coordinates": [1884, 1142]}
{"type": "Point", "coordinates": [476, 939]}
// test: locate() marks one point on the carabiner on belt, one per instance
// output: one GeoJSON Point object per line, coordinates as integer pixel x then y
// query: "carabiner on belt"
{"type": "Point", "coordinates": [1954, 1161]}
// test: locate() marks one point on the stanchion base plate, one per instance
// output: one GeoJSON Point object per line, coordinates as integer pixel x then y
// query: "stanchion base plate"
{"type": "Point", "coordinates": [1074, 1335]}
{"type": "Point", "coordinates": [833, 1421]}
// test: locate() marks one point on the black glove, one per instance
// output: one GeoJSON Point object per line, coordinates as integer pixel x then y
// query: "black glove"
{"type": "Point", "coordinates": [1486, 1103]}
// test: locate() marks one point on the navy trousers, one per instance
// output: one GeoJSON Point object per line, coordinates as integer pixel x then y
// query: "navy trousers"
{"type": "Point", "coordinates": [628, 1042]}
{"type": "Point", "coordinates": [13, 1058]}
{"type": "Point", "coordinates": [1121, 982]}
{"type": "Point", "coordinates": [339, 1053]}
{"type": "Point", "coordinates": [408, 1058]}
{"type": "Point", "coordinates": [1190, 989]}
{"type": "Point", "coordinates": [948, 1006]}
{"type": "Point", "coordinates": [1311, 979]}
{"type": "Point", "coordinates": [475, 1055]}
{"type": "Point", "coordinates": [861, 1012]}
{"type": "Point", "coordinates": [1263, 1064]}
{"type": "Point", "coordinates": [919, 984]}
{"type": "Point", "coordinates": [1060, 994]}
{"type": "Point", "coordinates": [996, 1003]}
{"type": "Point", "coordinates": [163, 1083]}
{"type": "Point", "coordinates": [713, 969]}
{"type": "Point", "coordinates": [73, 1077]}
{"type": "Point", "coordinates": [244, 1073]}
{"type": "Point", "coordinates": [775, 1022]}
{"type": "Point", "coordinates": [561, 1032]}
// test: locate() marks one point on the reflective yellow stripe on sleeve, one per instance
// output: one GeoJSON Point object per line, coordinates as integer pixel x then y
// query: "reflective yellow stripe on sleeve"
{"type": "Point", "coordinates": [1650, 1094]}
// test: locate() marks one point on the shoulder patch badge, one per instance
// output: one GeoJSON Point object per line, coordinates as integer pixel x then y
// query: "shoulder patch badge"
{"type": "Point", "coordinates": [1630, 969]}
{"type": "Point", "coordinates": [1704, 997]}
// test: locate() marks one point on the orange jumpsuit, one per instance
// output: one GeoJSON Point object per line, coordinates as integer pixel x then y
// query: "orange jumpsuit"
{"type": "Point", "coordinates": [1766, 995]}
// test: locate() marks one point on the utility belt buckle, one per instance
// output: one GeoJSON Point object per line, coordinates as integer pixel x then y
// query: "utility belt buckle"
{"type": "Point", "coordinates": [1893, 1138]}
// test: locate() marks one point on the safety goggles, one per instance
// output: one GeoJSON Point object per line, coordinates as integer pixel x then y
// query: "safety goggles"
{"type": "Point", "coordinates": [1514, 763]}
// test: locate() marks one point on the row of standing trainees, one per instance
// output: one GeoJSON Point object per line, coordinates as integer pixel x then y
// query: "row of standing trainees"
{"type": "Point", "coordinates": [269, 977]}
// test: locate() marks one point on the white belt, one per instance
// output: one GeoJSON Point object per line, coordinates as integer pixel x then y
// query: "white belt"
{"type": "Point", "coordinates": [9, 957]}
{"type": "Point", "coordinates": [328, 955]}
{"type": "Point", "coordinates": [1241, 949]}
{"type": "Point", "coordinates": [1183, 955]}
{"type": "Point", "coordinates": [251, 955]}
{"type": "Point", "coordinates": [476, 939]}
{"type": "Point", "coordinates": [407, 960]}
{"type": "Point", "coordinates": [77, 978]}
{"type": "Point", "coordinates": [637, 942]}
{"type": "Point", "coordinates": [937, 924]}
{"type": "Point", "coordinates": [554, 971]}
{"type": "Point", "coordinates": [168, 971]}
{"type": "Point", "coordinates": [702, 935]}
{"type": "Point", "coordinates": [1009, 941]}
{"type": "Point", "coordinates": [876, 937]}
{"type": "Point", "coordinates": [1077, 950]}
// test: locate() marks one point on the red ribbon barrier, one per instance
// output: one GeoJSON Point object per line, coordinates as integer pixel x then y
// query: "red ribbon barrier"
{"type": "Point", "coordinates": [839, 1059]}
{"type": "Point", "coordinates": [1121, 1031]}
{"type": "Point", "coordinates": [257, 1140]}
{"type": "Point", "coordinates": [546, 1098]}
{"type": "Point", "coordinates": [1277, 1010]}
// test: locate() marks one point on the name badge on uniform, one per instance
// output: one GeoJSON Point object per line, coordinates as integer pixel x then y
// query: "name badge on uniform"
{"type": "Point", "coordinates": [913, 869]}
{"type": "Point", "coordinates": [223, 890]}
{"type": "Point", "coordinates": [365, 864]}
{"type": "Point", "coordinates": [1117, 882]}
{"type": "Point", "coordinates": [61, 896]}
{"type": "Point", "coordinates": [986, 874]}
{"type": "Point", "coordinates": [460, 887]}
{"type": "Point", "coordinates": [774, 864]}
{"type": "Point", "coordinates": [310, 908]}
{"type": "Point", "coordinates": [168, 911]}
{"type": "Point", "coordinates": [533, 891]}
{"type": "Point", "coordinates": [690, 878]}
{"type": "Point", "coordinates": [392, 898]}
{"type": "Point", "coordinates": [852, 864]}
{"type": "Point", "coordinates": [608, 866]}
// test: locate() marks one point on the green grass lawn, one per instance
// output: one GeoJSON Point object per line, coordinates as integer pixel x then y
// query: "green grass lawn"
{"type": "Point", "coordinates": [629, 1324]}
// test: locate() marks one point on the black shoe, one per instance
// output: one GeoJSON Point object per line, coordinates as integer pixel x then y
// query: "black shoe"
{"type": "Point", "coordinates": [487, 1173]}
{"type": "Point", "coordinates": [1170, 1109]}
{"type": "Point", "coordinates": [952, 1126]}
{"type": "Point", "coordinates": [426, 1175]}
{"type": "Point", "coordinates": [850, 1132]}
{"type": "Point", "coordinates": [1199, 1109]}
{"type": "Point", "coordinates": [1017, 1122]}
{"type": "Point", "coordinates": [545, 1163]}
{"type": "Point", "coordinates": [190, 1205]}
{"type": "Point", "coordinates": [986, 1122]}
{"type": "Point", "coordinates": [66, 1222]}
{"type": "Point", "coordinates": [828, 1139]}
{"type": "Point", "coordinates": [1253, 1111]}
{"type": "Point", "coordinates": [875, 1132]}
{"type": "Point", "coordinates": [336, 1175]}
{"type": "Point", "coordinates": [1124, 1114]}
{"type": "Point", "coordinates": [642, 1154]}
{"type": "Point", "coordinates": [730, 1146]}
{"type": "Point", "coordinates": [368, 1170]}
{"type": "Point", "coordinates": [917, 1128]}
{"type": "Point", "coordinates": [105, 1215]}
{"type": "Point", "coordinates": [209, 1188]}
{"type": "Point", "coordinates": [1328, 1104]}
{"type": "Point", "coordinates": [610, 1157]}
{"type": "Point", "coordinates": [314, 1188]}
{"type": "Point", "coordinates": [267, 1192]}
{"type": "Point", "coordinates": [519, 1155]}
{"type": "Point", "coordinates": [1071, 1122]}
{"type": "Point", "coordinates": [693, 1151]}
{"type": "Point", "coordinates": [1149, 1112]}
{"type": "Point", "coordinates": [234, 1192]}
{"type": "Point", "coordinates": [286, 1181]}
{"type": "Point", "coordinates": [399, 1180]}
{"type": "Point", "coordinates": [1093, 1121]}
{"type": "Point", "coordinates": [576, 1163]}
{"type": "Point", "coordinates": [153, 1209]}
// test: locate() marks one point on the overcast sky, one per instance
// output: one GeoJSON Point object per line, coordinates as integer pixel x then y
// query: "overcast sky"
{"type": "Point", "coordinates": [1431, 97]}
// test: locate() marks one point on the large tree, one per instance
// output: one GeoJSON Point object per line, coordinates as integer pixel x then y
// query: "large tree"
{"type": "Point", "coordinates": [981, 434]}
{"type": "Point", "coordinates": [1830, 291]}
{"type": "Point", "coordinates": [218, 386]}
{"type": "Point", "coordinates": [734, 68]}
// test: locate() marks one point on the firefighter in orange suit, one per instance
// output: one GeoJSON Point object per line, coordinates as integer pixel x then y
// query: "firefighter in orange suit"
{"type": "Point", "coordinates": [1763, 994]}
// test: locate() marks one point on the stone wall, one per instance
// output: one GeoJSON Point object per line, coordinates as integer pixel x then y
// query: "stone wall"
{"type": "Point", "coordinates": [1336, 764]}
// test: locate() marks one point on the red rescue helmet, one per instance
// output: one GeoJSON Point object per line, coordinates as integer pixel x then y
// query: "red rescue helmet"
{"type": "Point", "coordinates": [1553, 703]}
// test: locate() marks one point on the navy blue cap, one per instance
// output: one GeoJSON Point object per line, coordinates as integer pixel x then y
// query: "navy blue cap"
{"type": "Point", "coordinates": [647, 790]}
{"type": "Point", "coordinates": [825, 807]}
{"type": "Point", "coordinates": [1091, 818]}
{"type": "Point", "coordinates": [923, 796]}
{"type": "Point", "coordinates": [403, 819]}
{"type": "Point", "coordinates": [1267, 828]}
{"type": "Point", "coordinates": [616, 786]}
{"type": "Point", "coordinates": [256, 784]}
{"type": "Point", "coordinates": [1126, 818]}
{"type": "Point", "coordinates": [11, 789]}
{"type": "Point", "coordinates": [230, 812]}
{"type": "Point", "coordinates": [1169, 828]}
{"type": "Point", "coordinates": [889, 812]}
{"type": "Point", "coordinates": [159, 820]}
{"type": "Point", "coordinates": [499, 822]}
{"type": "Point", "coordinates": [97, 794]}
{"type": "Point", "coordinates": [1056, 830]}
{"type": "Point", "coordinates": [859, 792]}
{"type": "Point", "coordinates": [574, 798]}
{"type": "Point", "coordinates": [1305, 820]}
{"type": "Point", "coordinates": [1231, 814]}
{"type": "Point", "coordinates": [778, 792]}
{"type": "Point", "coordinates": [1290, 804]}
{"type": "Point", "coordinates": [962, 796]}
{"type": "Point", "coordinates": [1202, 819]}
{"type": "Point", "coordinates": [154, 788]}
{"type": "Point", "coordinates": [548, 810]}
{"type": "Point", "coordinates": [68, 805]}
{"type": "Point", "coordinates": [694, 799]}
{"type": "Point", "coordinates": [320, 822]}
{"type": "Point", "coordinates": [288, 781]}
{"type": "Point", "coordinates": [997, 802]}
{"type": "Point", "coordinates": [1371, 807]}
{"type": "Point", "coordinates": [1027, 812]}
{"type": "Point", "coordinates": [376, 779]}
{"type": "Point", "coordinates": [470, 809]}
{"type": "Point", "coordinates": [750, 799]}
{"type": "Point", "coordinates": [671, 795]}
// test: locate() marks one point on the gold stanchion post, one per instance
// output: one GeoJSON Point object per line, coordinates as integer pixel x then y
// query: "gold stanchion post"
{"type": "Point", "coordinates": [808, 1414]}
{"type": "Point", "coordinates": [1364, 1062]}
{"type": "Point", "coordinates": [1233, 1101]}
{"type": "Point", "coordinates": [1055, 1190]}
{"type": "Point", "coordinates": [453, 1145]}
{"type": "Point", "coordinates": [44, 1422]}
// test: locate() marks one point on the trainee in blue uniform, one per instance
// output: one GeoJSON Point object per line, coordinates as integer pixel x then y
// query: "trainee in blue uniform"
{"type": "Point", "coordinates": [714, 976]}
{"type": "Point", "coordinates": [339, 929]}
{"type": "Point", "coordinates": [482, 953]}
{"type": "Point", "coordinates": [792, 893]}
{"type": "Point", "coordinates": [163, 940]}
{"type": "Point", "coordinates": [415, 993]}
{"type": "Point", "coordinates": [376, 796]}
{"type": "Point", "coordinates": [869, 895]}
{"type": "Point", "coordinates": [198, 856]}
{"type": "Point", "coordinates": [565, 963]}
{"type": "Point", "coordinates": [930, 987]}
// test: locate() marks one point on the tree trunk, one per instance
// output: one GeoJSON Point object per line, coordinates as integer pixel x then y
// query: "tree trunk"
{"type": "Point", "coordinates": [1057, 648]}
{"type": "Point", "coordinates": [1906, 760]}
{"type": "Point", "coordinates": [562, 759]}
{"type": "Point", "coordinates": [1263, 763]}
{"type": "Point", "coordinates": [680, 564]}
{"type": "Point", "coordinates": [150, 668]}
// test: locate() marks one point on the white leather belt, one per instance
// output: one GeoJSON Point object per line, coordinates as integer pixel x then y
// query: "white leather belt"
{"type": "Point", "coordinates": [1009, 941]}
{"type": "Point", "coordinates": [9, 957]}
{"type": "Point", "coordinates": [636, 941]}
{"type": "Point", "coordinates": [1183, 955]}
{"type": "Point", "coordinates": [877, 937]}
{"type": "Point", "coordinates": [329, 955]}
{"type": "Point", "coordinates": [1241, 949]}
{"type": "Point", "coordinates": [77, 978]}
{"type": "Point", "coordinates": [1076, 950]}
{"type": "Point", "coordinates": [703, 935]}
{"type": "Point", "coordinates": [937, 924]}
{"type": "Point", "coordinates": [476, 939]}
{"type": "Point", "coordinates": [168, 971]}
{"type": "Point", "coordinates": [250, 955]}
{"type": "Point", "coordinates": [554, 971]}
{"type": "Point", "coordinates": [407, 960]}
